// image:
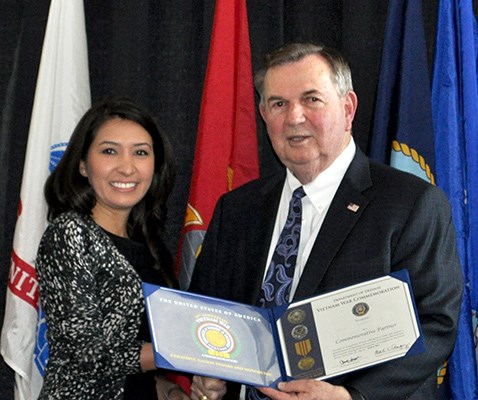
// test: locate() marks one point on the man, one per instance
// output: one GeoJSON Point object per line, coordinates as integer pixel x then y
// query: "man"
{"type": "Point", "coordinates": [360, 220]}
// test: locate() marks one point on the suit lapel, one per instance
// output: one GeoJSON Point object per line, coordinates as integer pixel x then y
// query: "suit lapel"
{"type": "Point", "coordinates": [345, 210]}
{"type": "Point", "coordinates": [260, 230]}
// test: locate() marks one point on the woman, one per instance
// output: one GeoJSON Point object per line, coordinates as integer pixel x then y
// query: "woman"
{"type": "Point", "coordinates": [106, 206]}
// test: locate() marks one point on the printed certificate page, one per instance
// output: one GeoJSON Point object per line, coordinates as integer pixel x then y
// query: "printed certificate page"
{"type": "Point", "coordinates": [349, 329]}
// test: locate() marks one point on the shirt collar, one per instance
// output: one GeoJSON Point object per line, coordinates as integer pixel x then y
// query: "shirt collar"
{"type": "Point", "coordinates": [322, 189]}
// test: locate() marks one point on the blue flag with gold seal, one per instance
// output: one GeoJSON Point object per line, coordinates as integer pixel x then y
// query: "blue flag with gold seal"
{"type": "Point", "coordinates": [403, 130]}
{"type": "Point", "coordinates": [403, 127]}
{"type": "Point", "coordinates": [455, 111]}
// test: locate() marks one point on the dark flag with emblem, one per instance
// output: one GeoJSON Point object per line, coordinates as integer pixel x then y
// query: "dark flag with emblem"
{"type": "Point", "coordinates": [403, 132]}
{"type": "Point", "coordinates": [226, 148]}
{"type": "Point", "coordinates": [62, 95]}
{"type": "Point", "coordinates": [403, 128]}
{"type": "Point", "coordinates": [455, 110]}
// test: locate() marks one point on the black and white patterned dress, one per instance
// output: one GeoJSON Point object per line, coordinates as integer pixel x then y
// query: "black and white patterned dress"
{"type": "Point", "coordinates": [94, 308]}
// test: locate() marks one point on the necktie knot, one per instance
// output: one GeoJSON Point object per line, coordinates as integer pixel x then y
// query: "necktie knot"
{"type": "Point", "coordinates": [299, 193]}
{"type": "Point", "coordinates": [295, 208]}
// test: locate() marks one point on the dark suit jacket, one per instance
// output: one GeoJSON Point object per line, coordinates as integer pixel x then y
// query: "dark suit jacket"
{"type": "Point", "coordinates": [402, 222]}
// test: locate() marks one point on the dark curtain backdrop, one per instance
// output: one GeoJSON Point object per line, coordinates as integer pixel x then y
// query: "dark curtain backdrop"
{"type": "Point", "coordinates": [155, 51]}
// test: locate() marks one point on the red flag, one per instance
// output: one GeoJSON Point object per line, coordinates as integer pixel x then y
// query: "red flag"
{"type": "Point", "coordinates": [226, 148]}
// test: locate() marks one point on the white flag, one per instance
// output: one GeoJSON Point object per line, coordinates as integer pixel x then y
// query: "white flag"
{"type": "Point", "coordinates": [62, 96]}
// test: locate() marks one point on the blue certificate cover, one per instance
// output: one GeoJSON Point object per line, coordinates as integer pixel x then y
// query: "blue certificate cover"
{"type": "Point", "coordinates": [321, 337]}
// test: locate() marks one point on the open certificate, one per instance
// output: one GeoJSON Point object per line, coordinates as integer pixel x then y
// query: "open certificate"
{"type": "Point", "coordinates": [318, 338]}
{"type": "Point", "coordinates": [348, 329]}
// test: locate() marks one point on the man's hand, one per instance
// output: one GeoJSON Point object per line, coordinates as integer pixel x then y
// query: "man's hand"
{"type": "Point", "coordinates": [204, 388]}
{"type": "Point", "coordinates": [307, 389]}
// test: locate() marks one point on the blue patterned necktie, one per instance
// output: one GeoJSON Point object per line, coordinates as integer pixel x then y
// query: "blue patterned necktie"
{"type": "Point", "coordinates": [277, 284]}
{"type": "Point", "coordinates": [276, 287]}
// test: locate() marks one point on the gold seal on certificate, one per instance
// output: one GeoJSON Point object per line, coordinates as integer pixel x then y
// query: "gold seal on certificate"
{"type": "Point", "coordinates": [360, 309]}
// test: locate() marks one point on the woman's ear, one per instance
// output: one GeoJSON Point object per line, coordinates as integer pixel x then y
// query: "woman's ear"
{"type": "Point", "coordinates": [82, 169]}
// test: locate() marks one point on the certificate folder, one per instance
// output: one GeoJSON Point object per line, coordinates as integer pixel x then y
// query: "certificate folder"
{"type": "Point", "coordinates": [324, 336]}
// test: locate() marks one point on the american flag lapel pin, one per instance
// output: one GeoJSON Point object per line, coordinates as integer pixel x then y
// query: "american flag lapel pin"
{"type": "Point", "coordinates": [353, 207]}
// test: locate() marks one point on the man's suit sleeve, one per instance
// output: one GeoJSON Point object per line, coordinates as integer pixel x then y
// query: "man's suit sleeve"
{"type": "Point", "coordinates": [427, 248]}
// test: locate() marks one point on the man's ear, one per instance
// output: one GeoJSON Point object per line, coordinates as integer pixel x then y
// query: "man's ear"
{"type": "Point", "coordinates": [351, 103]}
{"type": "Point", "coordinates": [262, 111]}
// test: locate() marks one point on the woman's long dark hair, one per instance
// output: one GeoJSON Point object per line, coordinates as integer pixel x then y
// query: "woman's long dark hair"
{"type": "Point", "coordinates": [67, 190]}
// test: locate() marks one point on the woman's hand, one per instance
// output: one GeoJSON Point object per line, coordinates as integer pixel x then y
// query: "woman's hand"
{"type": "Point", "coordinates": [204, 388]}
{"type": "Point", "coordinates": [167, 390]}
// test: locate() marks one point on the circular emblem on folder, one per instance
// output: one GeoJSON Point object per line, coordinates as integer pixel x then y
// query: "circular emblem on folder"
{"type": "Point", "coordinates": [360, 309]}
{"type": "Point", "coordinates": [215, 337]}
{"type": "Point", "coordinates": [299, 332]}
{"type": "Point", "coordinates": [296, 316]}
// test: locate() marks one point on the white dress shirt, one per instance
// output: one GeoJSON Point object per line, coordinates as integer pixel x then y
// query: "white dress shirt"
{"type": "Point", "coordinates": [316, 203]}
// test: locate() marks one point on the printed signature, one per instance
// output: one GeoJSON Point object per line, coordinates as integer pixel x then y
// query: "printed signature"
{"type": "Point", "coordinates": [349, 360]}
{"type": "Point", "coordinates": [392, 348]}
